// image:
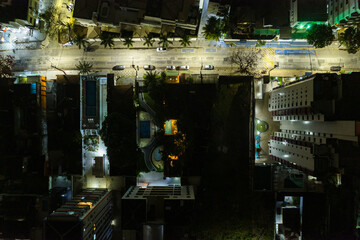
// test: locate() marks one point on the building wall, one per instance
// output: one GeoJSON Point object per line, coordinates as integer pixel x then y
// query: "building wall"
{"type": "Point", "coordinates": [294, 96]}
{"type": "Point", "coordinates": [306, 139]}
{"type": "Point", "coordinates": [33, 8]}
{"type": "Point", "coordinates": [79, 219]}
{"type": "Point", "coordinates": [343, 12]}
{"type": "Point", "coordinates": [86, 22]}
{"type": "Point", "coordinates": [293, 12]}
{"type": "Point", "coordinates": [98, 221]}
{"type": "Point", "coordinates": [296, 154]}
{"type": "Point", "coordinates": [312, 130]}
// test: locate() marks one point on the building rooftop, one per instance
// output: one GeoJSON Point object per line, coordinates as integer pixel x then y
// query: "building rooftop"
{"type": "Point", "coordinates": [80, 205]}
{"type": "Point", "coordinates": [309, 10]}
{"type": "Point", "coordinates": [167, 192]}
{"type": "Point", "coordinates": [84, 9]}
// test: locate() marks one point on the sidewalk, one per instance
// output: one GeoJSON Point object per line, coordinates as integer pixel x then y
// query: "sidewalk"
{"type": "Point", "coordinates": [262, 113]}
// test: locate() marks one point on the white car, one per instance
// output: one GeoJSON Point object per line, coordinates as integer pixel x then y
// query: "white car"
{"type": "Point", "coordinates": [208, 67]}
{"type": "Point", "coordinates": [68, 44]}
{"type": "Point", "coordinates": [185, 67]}
{"type": "Point", "coordinates": [160, 49]}
{"type": "Point", "coordinates": [149, 67]}
{"type": "Point", "coordinates": [170, 67]}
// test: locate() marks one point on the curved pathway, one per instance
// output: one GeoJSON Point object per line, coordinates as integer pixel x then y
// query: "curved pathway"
{"type": "Point", "coordinates": [151, 146]}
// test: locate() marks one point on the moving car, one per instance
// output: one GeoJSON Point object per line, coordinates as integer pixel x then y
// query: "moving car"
{"type": "Point", "coordinates": [209, 67]}
{"type": "Point", "coordinates": [183, 67]}
{"type": "Point", "coordinates": [170, 67]}
{"type": "Point", "coordinates": [335, 68]}
{"type": "Point", "coordinates": [149, 67]}
{"type": "Point", "coordinates": [160, 49]}
{"type": "Point", "coordinates": [118, 67]}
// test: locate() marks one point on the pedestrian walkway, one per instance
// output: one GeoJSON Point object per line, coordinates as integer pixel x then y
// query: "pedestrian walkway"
{"type": "Point", "coordinates": [22, 38]}
{"type": "Point", "coordinates": [262, 113]}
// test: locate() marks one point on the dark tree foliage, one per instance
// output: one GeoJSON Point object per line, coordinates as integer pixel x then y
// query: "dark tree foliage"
{"type": "Point", "coordinates": [212, 29]}
{"type": "Point", "coordinates": [185, 41]}
{"type": "Point", "coordinates": [148, 40]}
{"type": "Point", "coordinates": [128, 42]}
{"type": "Point", "coordinates": [6, 64]}
{"type": "Point", "coordinates": [118, 134]}
{"type": "Point", "coordinates": [320, 35]}
{"type": "Point", "coordinates": [107, 39]}
{"type": "Point", "coordinates": [164, 40]}
{"type": "Point", "coordinates": [84, 67]}
{"type": "Point", "coordinates": [155, 85]}
{"type": "Point", "coordinates": [350, 39]}
{"type": "Point", "coordinates": [80, 40]}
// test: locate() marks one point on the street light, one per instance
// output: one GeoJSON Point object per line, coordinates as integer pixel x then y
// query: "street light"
{"type": "Point", "coordinates": [275, 66]}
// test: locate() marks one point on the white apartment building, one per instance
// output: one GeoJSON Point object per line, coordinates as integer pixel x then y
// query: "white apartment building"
{"type": "Point", "coordinates": [307, 139]}
{"type": "Point", "coordinates": [343, 12]}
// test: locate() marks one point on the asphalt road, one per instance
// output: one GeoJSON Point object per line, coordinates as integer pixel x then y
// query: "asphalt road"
{"type": "Point", "coordinates": [40, 60]}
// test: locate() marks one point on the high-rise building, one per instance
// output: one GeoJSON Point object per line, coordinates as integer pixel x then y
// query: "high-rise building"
{"type": "Point", "coordinates": [138, 14]}
{"type": "Point", "coordinates": [86, 216]}
{"type": "Point", "coordinates": [303, 13]}
{"type": "Point", "coordinates": [344, 12]}
{"type": "Point", "coordinates": [318, 120]}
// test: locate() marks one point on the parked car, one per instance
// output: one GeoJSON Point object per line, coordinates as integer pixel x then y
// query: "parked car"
{"type": "Point", "coordinates": [89, 49]}
{"type": "Point", "coordinates": [149, 67]}
{"type": "Point", "coordinates": [170, 67]}
{"type": "Point", "coordinates": [68, 44]}
{"type": "Point", "coordinates": [183, 67]}
{"type": "Point", "coordinates": [160, 49]}
{"type": "Point", "coordinates": [209, 67]}
{"type": "Point", "coordinates": [118, 67]}
{"type": "Point", "coordinates": [335, 68]}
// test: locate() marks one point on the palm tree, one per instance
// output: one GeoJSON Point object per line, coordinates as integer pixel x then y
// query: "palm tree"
{"type": "Point", "coordinates": [107, 39]}
{"type": "Point", "coordinates": [148, 40]}
{"type": "Point", "coordinates": [185, 41]}
{"type": "Point", "coordinates": [128, 42]}
{"type": "Point", "coordinates": [84, 67]}
{"type": "Point", "coordinates": [80, 40]}
{"type": "Point", "coordinates": [212, 29]}
{"type": "Point", "coordinates": [164, 40]}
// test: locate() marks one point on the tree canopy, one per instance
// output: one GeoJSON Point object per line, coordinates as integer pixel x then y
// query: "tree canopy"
{"type": "Point", "coordinates": [212, 29]}
{"type": "Point", "coordinates": [185, 41]}
{"type": "Point", "coordinates": [320, 35]}
{"type": "Point", "coordinates": [84, 67]}
{"type": "Point", "coordinates": [128, 42]}
{"type": "Point", "coordinates": [350, 39]}
{"type": "Point", "coordinates": [155, 85]}
{"type": "Point", "coordinates": [80, 40]}
{"type": "Point", "coordinates": [148, 40]}
{"type": "Point", "coordinates": [246, 60]}
{"type": "Point", "coordinates": [118, 134]}
{"type": "Point", "coordinates": [107, 39]}
{"type": "Point", "coordinates": [164, 40]}
{"type": "Point", "coordinates": [6, 64]}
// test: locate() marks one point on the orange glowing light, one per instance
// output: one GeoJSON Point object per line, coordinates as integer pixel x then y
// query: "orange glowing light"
{"type": "Point", "coordinates": [172, 157]}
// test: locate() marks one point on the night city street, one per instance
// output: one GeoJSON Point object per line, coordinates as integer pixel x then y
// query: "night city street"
{"type": "Point", "coordinates": [180, 120]}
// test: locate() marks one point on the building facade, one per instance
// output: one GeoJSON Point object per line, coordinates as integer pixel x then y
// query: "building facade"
{"type": "Point", "coordinates": [343, 12]}
{"type": "Point", "coordinates": [128, 14]}
{"type": "Point", "coordinates": [86, 216]}
{"type": "Point", "coordinates": [315, 122]}
{"type": "Point", "coordinates": [303, 13]}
